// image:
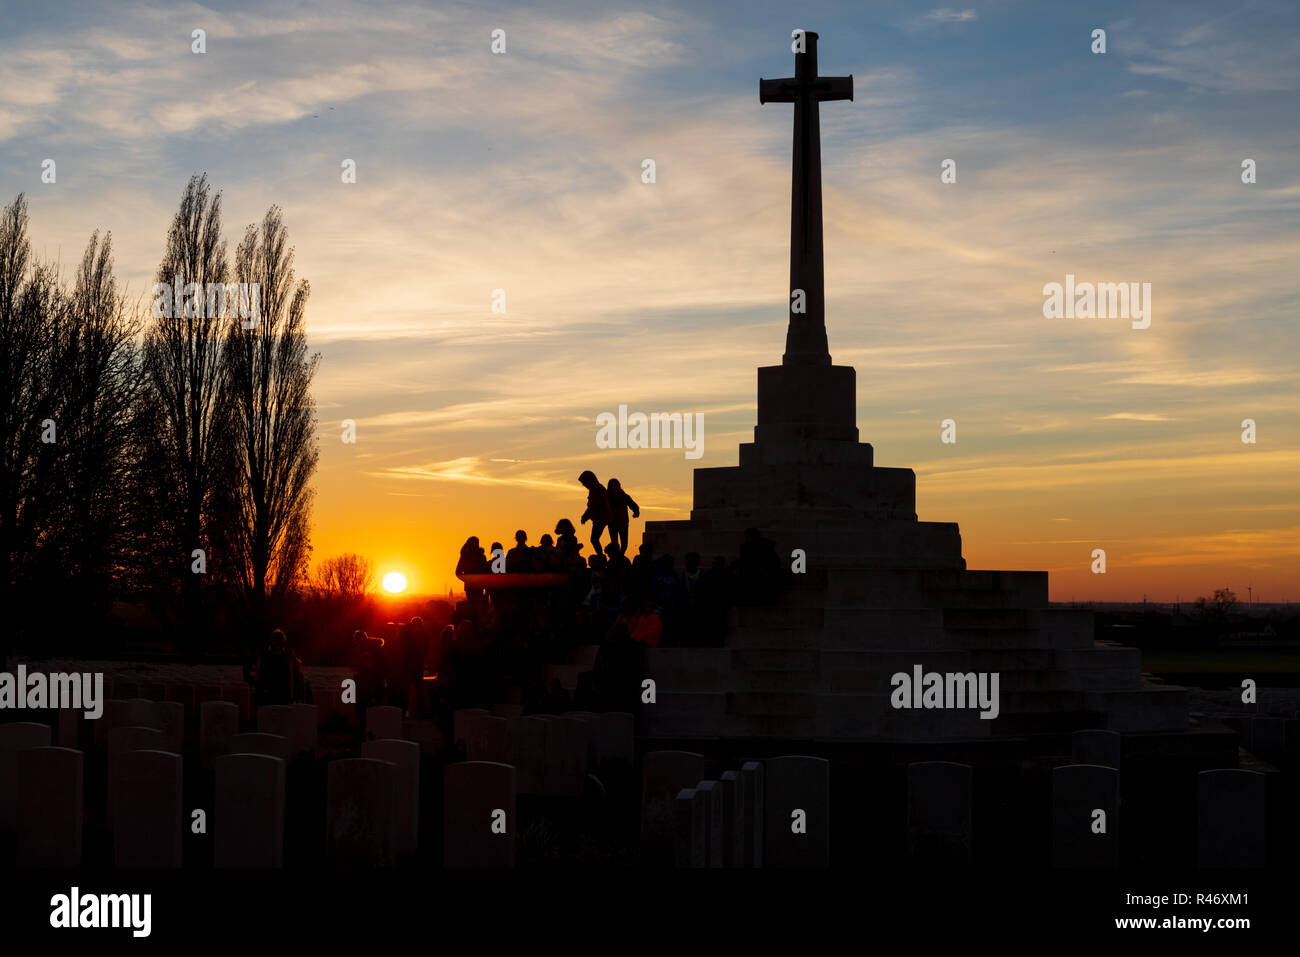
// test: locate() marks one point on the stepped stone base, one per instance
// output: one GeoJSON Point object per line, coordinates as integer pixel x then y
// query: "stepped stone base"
{"type": "Point", "coordinates": [883, 593]}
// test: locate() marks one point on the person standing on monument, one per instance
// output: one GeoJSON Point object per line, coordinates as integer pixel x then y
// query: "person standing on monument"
{"type": "Point", "coordinates": [598, 511]}
{"type": "Point", "coordinates": [619, 503]}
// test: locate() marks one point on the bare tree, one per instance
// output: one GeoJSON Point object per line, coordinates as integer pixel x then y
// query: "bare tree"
{"type": "Point", "coordinates": [95, 369]}
{"type": "Point", "coordinates": [184, 371]}
{"type": "Point", "coordinates": [30, 304]}
{"type": "Point", "coordinates": [69, 373]}
{"type": "Point", "coordinates": [344, 577]}
{"type": "Point", "coordinates": [272, 421]}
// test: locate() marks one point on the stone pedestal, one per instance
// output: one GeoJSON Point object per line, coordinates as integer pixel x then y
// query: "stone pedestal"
{"type": "Point", "coordinates": [882, 593]}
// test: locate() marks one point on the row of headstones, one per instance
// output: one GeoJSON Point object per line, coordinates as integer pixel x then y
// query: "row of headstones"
{"type": "Point", "coordinates": [770, 814]}
{"type": "Point", "coordinates": [372, 806]}
{"type": "Point", "coordinates": [551, 754]}
{"type": "Point", "coordinates": [41, 797]}
{"type": "Point", "coordinates": [778, 814]}
{"type": "Point", "coordinates": [294, 727]}
{"type": "Point", "coordinates": [1266, 735]}
{"type": "Point", "coordinates": [192, 697]}
{"type": "Point", "coordinates": [145, 792]}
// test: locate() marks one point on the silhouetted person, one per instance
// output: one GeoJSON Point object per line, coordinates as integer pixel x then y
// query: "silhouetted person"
{"type": "Point", "coordinates": [566, 537]}
{"type": "Point", "coordinates": [472, 561]}
{"type": "Point", "coordinates": [665, 589]}
{"type": "Point", "coordinates": [274, 673]}
{"type": "Point", "coordinates": [645, 556]}
{"type": "Point", "coordinates": [414, 647]}
{"type": "Point", "coordinates": [597, 512]}
{"type": "Point", "coordinates": [546, 557]}
{"type": "Point", "coordinates": [520, 558]}
{"type": "Point", "coordinates": [642, 622]}
{"type": "Point", "coordinates": [497, 551]}
{"type": "Point", "coordinates": [691, 578]}
{"type": "Point", "coordinates": [368, 664]}
{"type": "Point", "coordinates": [615, 559]}
{"type": "Point", "coordinates": [619, 503]}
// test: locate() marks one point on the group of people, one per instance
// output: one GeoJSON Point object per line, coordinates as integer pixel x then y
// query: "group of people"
{"type": "Point", "coordinates": [395, 675]}
{"type": "Point", "coordinates": [502, 637]}
{"type": "Point", "coordinates": [608, 507]}
{"type": "Point", "coordinates": [621, 603]}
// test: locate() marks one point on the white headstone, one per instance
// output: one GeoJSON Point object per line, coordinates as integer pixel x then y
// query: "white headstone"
{"type": "Point", "coordinates": [218, 725]}
{"type": "Point", "coordinates": [122, 741]}
{"type": "Point", "coordinates": [751, 801]}
{"type": "Point", "coordinates": [797, 783]}
{"type": "Point", "coordinates": [50, 807]}
{"type": "Point", "coordinates": [1079, 791]}
{"type": "Point", "coordinates": [663, 775]}
{"type": "Point", "coordinates": [733, 839]}
{"type": "Point", "coordinates": [691, 812]}
{"type": "Point", "coordinates": [248, 818]}
{"type": "Point", "coordinates": [149, 812]}
{"type": "Point", "coordinates": [360, 813]}
{"type": "Point", "coordinates": [14, 737]}
{"type": "Point", "coordinates": [405, 756]}
{"type": "Point", "coordinates": [716, 822]}
{"type": "Point", "coordinates": [478, 815]}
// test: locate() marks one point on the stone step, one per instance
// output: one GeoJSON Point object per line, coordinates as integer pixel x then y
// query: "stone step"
{"type": "Point", "coordinates": [986, 619]}
{"type": "Point", "coordinates": [776, 703]}
{"type": "Point", "coordinates": [865, 716]}
{"type": "Point", "coordinates": [1104, 667]}
{"type": "Point", "coordinates": [1147, 708]}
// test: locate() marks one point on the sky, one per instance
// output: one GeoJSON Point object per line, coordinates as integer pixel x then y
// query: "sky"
{"type": "Point", "coordinates": [522, 171]}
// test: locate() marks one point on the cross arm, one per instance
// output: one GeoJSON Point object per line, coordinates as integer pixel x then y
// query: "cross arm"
{"type": "Point", "coordinates": [833, 88]}
{"type": "Point", "coordinates": [778, 91]}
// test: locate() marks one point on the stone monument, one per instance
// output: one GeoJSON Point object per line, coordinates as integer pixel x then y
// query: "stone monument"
{"type": "Point", "coordinates": [884, 594]}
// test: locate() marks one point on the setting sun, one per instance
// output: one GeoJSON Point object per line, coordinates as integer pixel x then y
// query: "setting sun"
{"type": "Point", "coordinates": [394, 583]}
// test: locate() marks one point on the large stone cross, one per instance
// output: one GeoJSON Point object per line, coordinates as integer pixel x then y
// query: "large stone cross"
{"type": "Point", "coordinates": [805, 341]}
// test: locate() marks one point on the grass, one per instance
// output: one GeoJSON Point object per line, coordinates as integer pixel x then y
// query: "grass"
{"type": "Point", "coordinates": [1221, 660]}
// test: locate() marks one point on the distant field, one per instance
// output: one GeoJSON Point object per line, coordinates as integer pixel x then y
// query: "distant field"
{"type": "Point", "coordinates": [1219, 661]}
